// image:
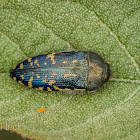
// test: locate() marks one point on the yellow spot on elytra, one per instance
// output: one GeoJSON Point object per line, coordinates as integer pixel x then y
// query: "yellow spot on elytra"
{"type": "Point", "coordinates": [44, 81]}
{"type": "Point", "coordinates": [79, 89]}
{"type": "Point", "coordinates": [37, 75]}
{"type": "Point", "coordinates": [45, 63]}
{"type": "Point", "coordinates": [31, 63]}
{"type": "Point", "coordinates": [66, 75]}
{"type": "Point", "coordinates": [45, 76]}
{"type": "Point", "coordinates": [33, 67]}
{"type": "Point", "coordinates": [32, 72]}
{"type": "Point", "coordinates": [14, 78]}
{"type": "Point", "coordinates": [14, 67]}
{"type": "Point", "coordinates": [21, 66]}
{"type": "Point", "coordinates": [54, 74]}
{"type": "Point", "coordinates": [52, 58]}
{"type": "Point", "coordinates": [36, 62]}
{"type": "Point", "coordinates": [30, 82]}
{"type": "Point", "coordinates": [48, 88]}
{"type": "Point", "coordinates": [74, 61]}
{"type": "Point", "coordinates": [22, 77]}
{"type": "Point", "coordinates": [64, 62]}
{"type": "Point", "coordinates": [40, 88]}
{"type": "Point", "coordinates": [20, 82]}
{"type": "Point", "coordinates": [65, 89]}
{"type": "Point", "coordinates": [39, 110]}
{"type": "Point", "coordinates": [29, 60]}
{"type": "Point", "coordinates": [57, 88]}
{"type": "Point", "coordinates": [51, 82]}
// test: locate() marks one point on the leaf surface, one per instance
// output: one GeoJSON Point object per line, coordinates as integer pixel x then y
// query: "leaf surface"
{"type": "Point", "coordinates": [110, 28]}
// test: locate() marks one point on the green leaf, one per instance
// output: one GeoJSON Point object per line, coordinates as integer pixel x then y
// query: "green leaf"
{"type": "Point", "coordinates": [110, 28]}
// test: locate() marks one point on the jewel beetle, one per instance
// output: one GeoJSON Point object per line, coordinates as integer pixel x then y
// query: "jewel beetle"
{"type": "Point", "coordinates": [63, 71]}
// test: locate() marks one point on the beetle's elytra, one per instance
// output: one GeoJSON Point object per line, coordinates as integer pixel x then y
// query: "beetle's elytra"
{"type": "Point", "coordinates": [62, 71]}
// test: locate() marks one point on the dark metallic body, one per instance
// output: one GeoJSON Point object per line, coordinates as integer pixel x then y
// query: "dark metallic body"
{"type": "Point", "coordinates": [62, 71]}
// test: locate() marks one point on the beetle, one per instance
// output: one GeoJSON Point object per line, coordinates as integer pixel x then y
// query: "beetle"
{"type": "Point", "coordinates": [63, 71]}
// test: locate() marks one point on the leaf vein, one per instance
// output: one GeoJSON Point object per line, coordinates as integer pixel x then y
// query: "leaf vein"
{"type": "Point", "coordinates": [17, 45]}
{"type": "Point", "coordinates": [124, 80]}
{"type": "Point", "coordinates": [94, 118]}
{"type": "Point", "coordinates": [117, 39]}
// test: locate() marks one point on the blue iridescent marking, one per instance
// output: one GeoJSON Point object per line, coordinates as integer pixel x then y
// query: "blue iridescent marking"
{"type": "Point", "coordinates": [56, 71]}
